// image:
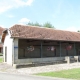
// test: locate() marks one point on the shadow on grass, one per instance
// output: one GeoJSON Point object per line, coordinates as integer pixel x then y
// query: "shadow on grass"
{"type": "Point", "coordinates": [1, 60]}
{"type": "Point", "coordinates": [1, 54]}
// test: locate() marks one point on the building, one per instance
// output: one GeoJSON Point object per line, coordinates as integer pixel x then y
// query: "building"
{"type": "Point", "coordinates": [1, 45]}
{"type": "Point", "coordinates": [29, 44]}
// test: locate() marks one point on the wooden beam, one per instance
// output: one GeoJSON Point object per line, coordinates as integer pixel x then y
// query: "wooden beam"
{"type": "Point", "coordinates": [60, 49]}
{"type": "Point", "coordinates": [74, 49]}
{"type": "Point", "coordinates": [41, 50]}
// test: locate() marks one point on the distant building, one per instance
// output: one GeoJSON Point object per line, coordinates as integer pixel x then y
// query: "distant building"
{"type": "Point", "coordinates": [1, 45]}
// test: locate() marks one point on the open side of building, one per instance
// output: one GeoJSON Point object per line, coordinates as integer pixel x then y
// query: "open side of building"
{"type": "Point", "coordinates": [28, 44]}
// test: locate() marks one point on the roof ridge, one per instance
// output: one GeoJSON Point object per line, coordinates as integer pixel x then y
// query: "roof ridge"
{"type": "Point", "coordinates": [33, 32]}
{"type": "Point", "coordinates": [43, 28]}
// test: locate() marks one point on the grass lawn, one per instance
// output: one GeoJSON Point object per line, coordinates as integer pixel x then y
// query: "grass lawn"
{"type": "Point", "coordinates": [1, 54]}
{"type": "Point", "coordinates": [71, 74]}
{"type": "Point", "coordinates": [1, 60]}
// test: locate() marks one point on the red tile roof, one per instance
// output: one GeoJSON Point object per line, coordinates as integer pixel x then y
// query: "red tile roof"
{"type": "Point", "coordinates": [30, 32]}
{"type": "Point", "coordinates": [1, 30]}
{"type": "Point", "coordinates": [1, 45]}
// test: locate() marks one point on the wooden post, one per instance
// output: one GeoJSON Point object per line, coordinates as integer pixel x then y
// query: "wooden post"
{"type": "Point", "coordinates": [74, 49]}
{"type": "Point", "coordinates": [60, 49]}
{"type": "Point", "coordinates": [41, 50]}
{"type": "Point", "coordinates": [68, 60]}
{"type": "Point", "coordinates": [67, 52]}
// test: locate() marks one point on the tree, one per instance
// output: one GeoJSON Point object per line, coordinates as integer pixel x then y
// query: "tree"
{"type": "Point", "coordinates": [78, 31]}
{"type": "Point", "coordinates": [30, 23]}
{"type": "Point", "coordinates": [48, 25]}
{"type": "Point", "coordinates": [34, 24]}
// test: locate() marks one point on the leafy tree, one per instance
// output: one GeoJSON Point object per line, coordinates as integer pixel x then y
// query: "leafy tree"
{"type": "Point", "coordinates": [48, 25]}
{"type": "Point", "coordinates": [37, 24]}
{"type": "Point", "coordinates": [34, 24]}
{"type": "Point", "coordinates": [78, 31]}
{"type": "Point", "coordinates": [30, 23]}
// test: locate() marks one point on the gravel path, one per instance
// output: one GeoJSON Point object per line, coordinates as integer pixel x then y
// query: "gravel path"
{"type": "Point", "coordinates": [32, 70]}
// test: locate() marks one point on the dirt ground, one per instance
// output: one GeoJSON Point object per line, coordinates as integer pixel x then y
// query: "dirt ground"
{"type": "Point", "coordinates": [37, 69]}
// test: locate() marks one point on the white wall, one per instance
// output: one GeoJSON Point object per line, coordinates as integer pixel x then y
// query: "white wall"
{"type": "Point", "coordinates": [8, 42]}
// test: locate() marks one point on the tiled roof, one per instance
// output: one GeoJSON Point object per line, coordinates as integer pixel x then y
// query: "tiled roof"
{"type": "Point", "coordinates": [1, 30]}
{"type": "Point", "coordinates": [30, 32]}
{"type": "Point", "coordinates": [1, 45]}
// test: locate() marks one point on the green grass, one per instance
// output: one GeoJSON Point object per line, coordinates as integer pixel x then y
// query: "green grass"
{"type": "Point", "coordinates": [1, 54]}
{"type": "Point", "coordinates": [1, 60]}
{"type": "Point", "coordinates": [71, 74]}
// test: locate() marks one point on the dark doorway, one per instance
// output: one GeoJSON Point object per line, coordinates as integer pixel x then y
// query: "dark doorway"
{"type": "Point", "coordinates": [5, 54]}
{"type": "Point", "coordinates": [79, 52]}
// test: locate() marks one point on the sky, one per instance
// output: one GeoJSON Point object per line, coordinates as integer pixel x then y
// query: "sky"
{"type": "Point", "coordinates": [62, 14]}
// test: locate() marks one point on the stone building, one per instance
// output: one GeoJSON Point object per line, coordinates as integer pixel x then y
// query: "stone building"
{"type": "Point", "coordinates": [29, 44]}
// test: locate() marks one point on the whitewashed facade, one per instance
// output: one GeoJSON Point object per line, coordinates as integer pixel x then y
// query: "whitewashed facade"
{"type": "Point", "coordinates": [7, 49]}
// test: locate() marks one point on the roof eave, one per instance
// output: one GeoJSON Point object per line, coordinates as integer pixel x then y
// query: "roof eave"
{"type": "Point", "coordinates": [45, 39]}
{"type": "Point", "coordinates": [3, 35]}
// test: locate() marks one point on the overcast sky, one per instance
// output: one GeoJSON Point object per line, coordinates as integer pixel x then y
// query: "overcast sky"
{"type": "Point", "coordinates": [63, 14]}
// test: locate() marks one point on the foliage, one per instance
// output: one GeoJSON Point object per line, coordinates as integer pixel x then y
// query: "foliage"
{"type": "Point", "coordinates": [71, 74]}
{"type": "Point", "coordinates": [47, 24]}
{"type": "Point", "coordinates": [34, 24]}
{"type": "Point", "coordinates": [1, 54]}
{"type": "Point", "coordinates": [1, 60]}
{"type": "Point", "coordinates": [78, 31]}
